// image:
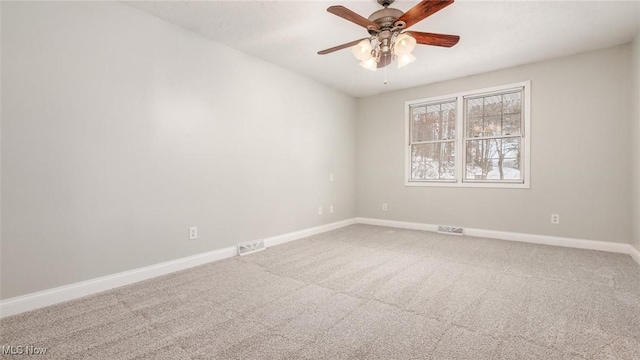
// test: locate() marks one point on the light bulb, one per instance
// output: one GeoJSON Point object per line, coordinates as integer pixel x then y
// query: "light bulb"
{"type": "Point", "coordinates": [405, 59]}
{"type": "Point", "coordinates": [405, 44]}
{"type": "Point", "coordinates": [362, 51]}
{"type": "Point", "coordinates": [369, 64]}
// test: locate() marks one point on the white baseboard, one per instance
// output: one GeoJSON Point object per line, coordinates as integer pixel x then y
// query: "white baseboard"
{"type": "Point", "coordinates": [551, 240]}
{"type": "Point", "coordinates": [635, 254]}
{"type": "Point", "coordinates": [296, 235]}
{"type": "Point", "coordinates": [398, 224]}
{"type": "Point", "coordinates": [53, 296]}
{"type": "Point", "coordinates": [60, 294]}
{"type": "Point", "coordinates": [521, 237]}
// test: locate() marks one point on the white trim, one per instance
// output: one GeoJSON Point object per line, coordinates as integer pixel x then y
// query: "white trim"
{"type": "Point", "coordinates": [407, 142]}
{"type": "Point", "coordinates": [436, 183]}
{"type": "Point", "coordinates": [296, 235]}
{"type": "Point", "coordinates": [635, 254]}
{"type": "Point", "coordinates": [398, 224]}
{"type": "Point", "coordinates": [460, 131]}
{"type": "Point", "coordinates": [520, 237]}
{"type": "Point", "coordinates": [60, 294]}
{"type": "Point", "coordinates": [551, 240]}
{"type": "Point", "coordinates": [527, 133]}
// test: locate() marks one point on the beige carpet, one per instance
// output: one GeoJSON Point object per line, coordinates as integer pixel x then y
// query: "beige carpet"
{"type": "Point", "coordinates": [360, 292]}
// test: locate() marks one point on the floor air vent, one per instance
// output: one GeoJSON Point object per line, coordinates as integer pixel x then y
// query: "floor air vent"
{"type": "Point", "coordinates": [452, 230]}
{"type": "Point", "coordinates": [251, 247]}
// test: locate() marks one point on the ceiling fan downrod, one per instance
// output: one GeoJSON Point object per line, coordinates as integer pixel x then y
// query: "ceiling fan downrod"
{"type": "Point", "coordinates": [385, 3]}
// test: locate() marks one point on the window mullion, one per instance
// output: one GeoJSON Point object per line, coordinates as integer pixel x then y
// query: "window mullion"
{"type": "Point", "coordinates": [460, 158]}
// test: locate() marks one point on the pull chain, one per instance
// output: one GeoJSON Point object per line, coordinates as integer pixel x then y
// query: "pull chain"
{"type": "Point", "coordinates": [387, 60]}
{"type": "Point", "coordinates": [385, 75]}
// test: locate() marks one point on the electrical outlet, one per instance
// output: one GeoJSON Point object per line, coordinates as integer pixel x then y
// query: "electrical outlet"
{"type": "Point", "coordinates": [193, 233]}
{"type": "Point", "coordinates": [331, 177]}
{"type": "Point", "coordinates": [384, 207]}
{"type": "Point", "coordinates": [331, 209]}
{"type": "Point", "coordinates": [555, 218]}
{"type": "Point", "coordinates": [320, 210]}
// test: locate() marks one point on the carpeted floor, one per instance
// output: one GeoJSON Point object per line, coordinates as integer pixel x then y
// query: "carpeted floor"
{"type": "Point", "coordinates": [360, 292]}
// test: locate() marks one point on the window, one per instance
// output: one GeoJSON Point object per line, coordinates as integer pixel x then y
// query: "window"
{"type": "Point", "coordinates": [433, 131]}
{"type": "Point", "coordinates": [488, 128]}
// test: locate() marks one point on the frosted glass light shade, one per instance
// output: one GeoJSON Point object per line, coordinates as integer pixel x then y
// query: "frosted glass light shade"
{"type": "Point", "coordinates": [362, 51]}
{"type": "Point", "coordinates": [405, 59]}
{"type": "Point", "coordinates": [369, 64]}
{"type": "Point", "coordinates": [405, 44]}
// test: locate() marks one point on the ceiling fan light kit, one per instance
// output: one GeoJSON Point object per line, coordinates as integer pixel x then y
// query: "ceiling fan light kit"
{"type": "Point", "coordinates": [392, 46]}
{"type": "Point", "coordinates": [389, 41]}
{"type": "Point", "coordinates": [405, 60]}
{"type": "Point", "coordinates": [362, 51]}
{"type": "Point", "coordinates": [369, 64]}
{"type": "Point", "coordinates": [404, 44]}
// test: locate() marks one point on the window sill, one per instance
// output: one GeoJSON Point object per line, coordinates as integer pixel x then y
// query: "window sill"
{"type": "Point", "coordinates": [468, 185]}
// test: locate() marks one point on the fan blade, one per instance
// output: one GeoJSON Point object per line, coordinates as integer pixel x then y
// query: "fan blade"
{"type": "Point", "coordinates": [340, 47]}
{"type": "Point", "coordinates": [347, 14]}
{"type": "Point", "coordinates": [424, 9]}
{"type": "Point", "coordinates": [434, 39]}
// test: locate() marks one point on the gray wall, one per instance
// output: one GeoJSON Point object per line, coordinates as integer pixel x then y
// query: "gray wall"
{"type": "Point", "coordinates": [581, 111]}
{"type": "Point", "coordinates": [119, 131]}
{"type": "Point", "coordinates": [635, 159]}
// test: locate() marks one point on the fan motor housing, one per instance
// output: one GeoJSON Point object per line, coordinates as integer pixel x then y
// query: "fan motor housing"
{"type": "Point", "coordinates": [385, 17]}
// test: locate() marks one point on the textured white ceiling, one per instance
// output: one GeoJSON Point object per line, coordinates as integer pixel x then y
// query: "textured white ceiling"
{"type": "Point", "coordinates": [494, 35]}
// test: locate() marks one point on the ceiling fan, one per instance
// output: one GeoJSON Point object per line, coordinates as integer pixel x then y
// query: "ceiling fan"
{"type": "Point", "coordinates": [388, 36]}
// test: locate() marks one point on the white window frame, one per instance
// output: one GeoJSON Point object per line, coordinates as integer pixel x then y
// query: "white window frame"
{"type": "Point", "coordinates": [461, 135]}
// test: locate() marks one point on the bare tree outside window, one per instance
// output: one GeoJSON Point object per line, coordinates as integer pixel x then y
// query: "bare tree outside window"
{"type": "Point", "coordinates": [493, 136]}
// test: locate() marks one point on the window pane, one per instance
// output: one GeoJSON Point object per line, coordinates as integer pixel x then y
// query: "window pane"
{"type": "Point", "coordinates": [475, 108]}
{"type": "Point", "coordinates": [433, 122]}
{"type": "Point", "coordinates": [492, 105]}
{"type": "Point", "coordinates": [493, 159]}
{"type": "Point", "coordinates": [494, 115]}
{"type": "Point", "coordinates": [512, 124]}
{"type": "Point", "coordinates": [434, 161]}
{"type": "Point", "coordinates": [512, 102]}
